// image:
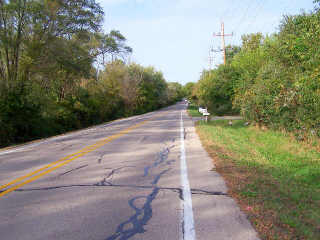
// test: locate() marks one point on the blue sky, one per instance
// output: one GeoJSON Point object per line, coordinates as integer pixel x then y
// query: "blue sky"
{"type": "Point", "coordinates": [175, 36]}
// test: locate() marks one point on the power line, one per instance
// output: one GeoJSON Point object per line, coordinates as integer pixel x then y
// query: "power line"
{"type": "Point", "coordinates": [228, 13]}
{"type": "Point", "coordinates": [244, 15]}
{"type": "Point", "coordinates": [231, 13]}
{"type": "Point", "coordinates": [242, 18]}
{"type": "Point", "coordinates": [247, 21]}
{"type": "Point", "coordinates": [257, 10]}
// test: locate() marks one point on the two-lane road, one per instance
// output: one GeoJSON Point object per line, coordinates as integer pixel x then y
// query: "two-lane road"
{"type": "Point", "coordinates": [145, 177]}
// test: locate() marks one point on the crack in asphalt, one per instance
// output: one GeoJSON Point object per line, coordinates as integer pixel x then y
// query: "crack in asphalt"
{"type": "Point", "coordinates": [170, 162]}
{"type": "Point", "coordinates": [162, 156]}
{"type": "Point", "coordinates": [111, 174]}
{"type": "Point", "coordinates": [74, 169]}
{"type": "Point", "coordinates": [157, 178]}
{"type": "Point", "coordinates": [194, 191]}
{"type": "Point", "coordinates": [101, 157]}
{"type": "Point", "coordinates": [139, 219]}
{"type": "Point", "coordinates": [143, 139]}
{"type": "Point", "coordinates": [136, 222]}
{"type": "Point", "coordinates": [142, 215]}
{"type": "Point", "coordinates": [65, 146]}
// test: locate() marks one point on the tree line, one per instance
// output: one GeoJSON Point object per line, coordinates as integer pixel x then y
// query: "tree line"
{"type": "Point", "coordinates": [271, 80]}
{"type": "Point", "coordinates": [59, 71]}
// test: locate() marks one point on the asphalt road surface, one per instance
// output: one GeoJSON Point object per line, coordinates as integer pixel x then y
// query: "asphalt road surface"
{"type": "Point", "coordinates": [145, 177]}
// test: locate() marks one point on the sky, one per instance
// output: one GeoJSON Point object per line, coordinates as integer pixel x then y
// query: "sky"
{"type": "Point", "coordinates": [175, 36]}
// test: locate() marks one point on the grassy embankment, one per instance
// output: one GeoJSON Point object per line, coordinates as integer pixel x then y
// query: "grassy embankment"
{"type": "Point", "coordinates": [275, 179]}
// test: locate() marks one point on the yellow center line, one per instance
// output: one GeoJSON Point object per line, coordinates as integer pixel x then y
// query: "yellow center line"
{"type": "Point", "coordinates": [65, 160]}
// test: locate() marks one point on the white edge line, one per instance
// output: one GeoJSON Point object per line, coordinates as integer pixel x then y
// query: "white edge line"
{"type": "Point", "coordinates": [187, 213]}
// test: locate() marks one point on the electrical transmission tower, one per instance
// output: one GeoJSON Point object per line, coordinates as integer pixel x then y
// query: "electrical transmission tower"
{"type": "Point", "coordinates": [223, 35]}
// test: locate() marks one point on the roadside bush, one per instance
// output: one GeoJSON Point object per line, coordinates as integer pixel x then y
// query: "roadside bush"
{"type": "Point", "coordinates": [273, 80]}
{"type": "Point", "coordinates": [20, 118]}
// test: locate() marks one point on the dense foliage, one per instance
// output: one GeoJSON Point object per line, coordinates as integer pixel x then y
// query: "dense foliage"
{"type": "Point", "coordinates": [50, 51]}
{"type": "Point", "coordinates": [273, 80]}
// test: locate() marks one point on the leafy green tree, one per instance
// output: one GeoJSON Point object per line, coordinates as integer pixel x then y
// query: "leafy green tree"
{"type": "Point", "coordinates": [251, 42]}
{"type": "Point", "coordinates": [273, 80]}
{"type": "Point", "coordinates": [188, 89]}
{"type": "Point", "coordinates": [59, 71]}
{"type": "Point", "coordinates": [215, 89]}
{"type": "Point", "coordinates": [175, 92]}
{"type": "Point", "coordinates": [232, 51]}
{"type": "Point", "coordinates": [47, 55]}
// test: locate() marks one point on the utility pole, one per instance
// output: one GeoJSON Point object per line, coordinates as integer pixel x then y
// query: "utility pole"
{"type": "Point", "coordinates": [222, 35]}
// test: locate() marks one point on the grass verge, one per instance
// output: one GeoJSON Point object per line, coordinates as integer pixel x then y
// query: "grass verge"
{"type": "Point", "coordinates": [193, 111]}
{"type": "Point", "coordinates": [274, 178]}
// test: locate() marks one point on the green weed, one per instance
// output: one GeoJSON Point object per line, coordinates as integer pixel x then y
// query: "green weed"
{"type": "Point", "coordinates": [280, 177]}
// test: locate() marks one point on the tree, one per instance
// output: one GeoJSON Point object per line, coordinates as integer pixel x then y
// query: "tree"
{"type": "Point", "coordinates": [30, 29]}
{"type": "Point", "coordinates": [188, 89]}
{"type": "Point", "coordinates": [175, 92]}
{"type": "Point", "coordinates": [232, 51]}
{"type": "Point", "coordinates": [252, 41]}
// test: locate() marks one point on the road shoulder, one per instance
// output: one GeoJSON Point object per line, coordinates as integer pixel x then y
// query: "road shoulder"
{"type": "Point", "coordinates": [213, 208]}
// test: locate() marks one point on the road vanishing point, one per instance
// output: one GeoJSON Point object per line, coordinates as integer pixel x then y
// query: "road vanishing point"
{"type": "Point", "coordinates": [146, 178]}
